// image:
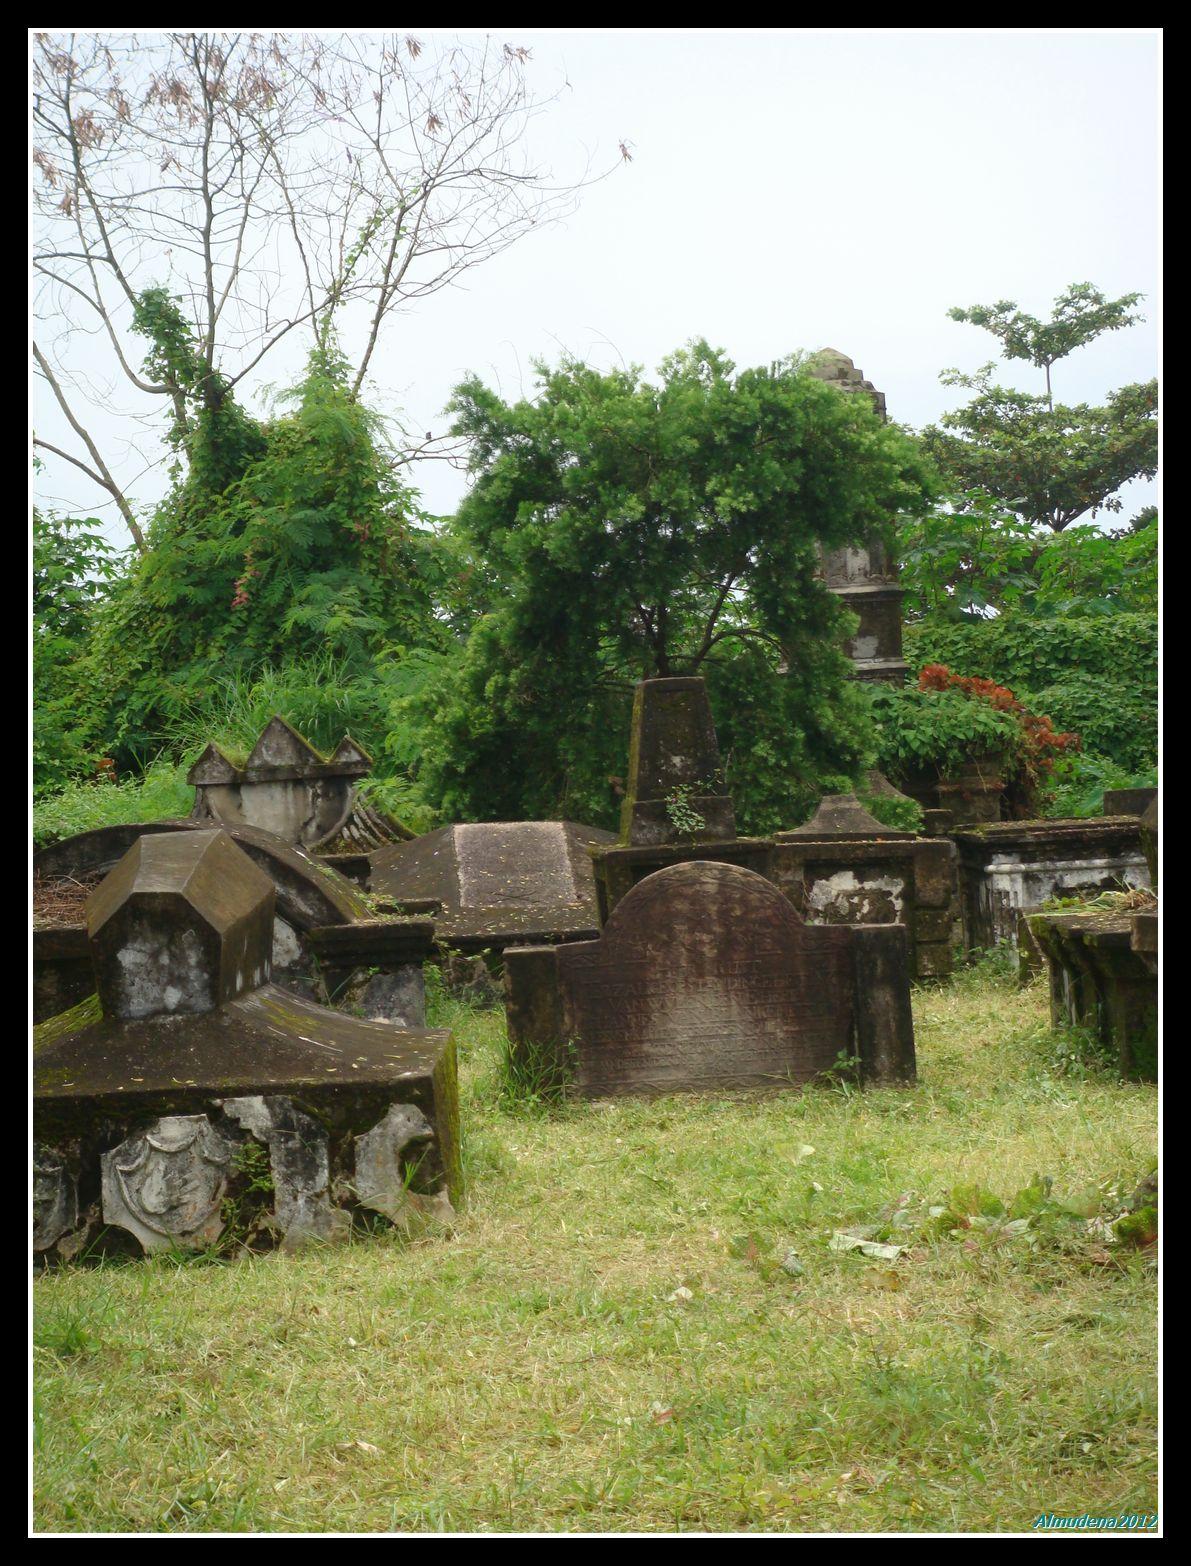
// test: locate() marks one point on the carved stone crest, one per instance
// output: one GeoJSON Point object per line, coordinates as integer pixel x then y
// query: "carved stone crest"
{"type": "Point", "coordinates": [55, 1198]}
{"type": "Point", "coordinates": [166, 1185]}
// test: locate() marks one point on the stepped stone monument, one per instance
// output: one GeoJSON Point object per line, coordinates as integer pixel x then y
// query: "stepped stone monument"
{"type": "Point", "coordinates": [158, 1101]}
{"type": "Point", "coordinates": [865, 576]}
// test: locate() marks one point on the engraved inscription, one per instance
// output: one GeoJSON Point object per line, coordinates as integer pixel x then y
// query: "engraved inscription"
{"type": "Point", "coordinates": [705, 976]}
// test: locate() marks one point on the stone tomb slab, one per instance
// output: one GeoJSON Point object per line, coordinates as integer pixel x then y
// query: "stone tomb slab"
{"type": "Point", "coordinates": [705, 977]}
{"type": "Point", "coordinates": [492, 883]}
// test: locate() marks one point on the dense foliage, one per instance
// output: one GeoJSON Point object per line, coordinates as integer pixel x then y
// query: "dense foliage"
{"type": "Point", "coordinates": [1048, 462]}
{"type": "Point", "coordinates": [1094, 674]}
{"type": "Point", "coordinates": [72, 568]}
{"type": "Point", "coordinates": [622, 529]}
{"type": "Point", "coordinates": [284, 542]}
{"type": "Point", "coordinates": [970, 557]}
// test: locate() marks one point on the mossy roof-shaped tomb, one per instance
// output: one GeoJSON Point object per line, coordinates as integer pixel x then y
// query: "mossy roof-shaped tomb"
{"type": "Point", "coordinates": [182, 924]}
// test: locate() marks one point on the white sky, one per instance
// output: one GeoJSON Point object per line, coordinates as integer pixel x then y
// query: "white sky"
{"type": "Point", "coordinates": [797, 189]}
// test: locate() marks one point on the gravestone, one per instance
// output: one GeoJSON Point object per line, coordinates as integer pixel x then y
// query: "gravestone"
{"type": "Point", "coordinates": [183, 923]}
{"type": "Point", "coordinates": [150, 1096]}
{"type": "Point", "coordinates": [1015, 867]}
{"type": "Point", "coordinates": [287, 787]}
{"type": "Point", "coordinates": [490, 884]}
{"type": "Point", "coordinates": [844, 867]}
{"type": "Point", "coordinates": [675, 808]}
{"type": "Point", "coordinates": [327, 938]}
{"type": "Point", "coordinates": [704, 977]}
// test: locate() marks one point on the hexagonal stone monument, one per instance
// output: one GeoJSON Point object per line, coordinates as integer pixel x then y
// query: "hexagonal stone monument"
{"type": "Point", "coordinates": [864, 576]}
{"type": "Point", "coordinates": [184, 923]}
{"type": "Point", "coordinates": [326, 935]}
{"type": "Point", "coordinates": [190, 1096]}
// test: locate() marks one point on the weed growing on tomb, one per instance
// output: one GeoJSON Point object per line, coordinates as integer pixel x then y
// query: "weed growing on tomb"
{"type": "Point", "coordinates": [683, 816]}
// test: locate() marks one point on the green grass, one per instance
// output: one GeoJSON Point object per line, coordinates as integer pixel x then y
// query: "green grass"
{"type": "Point", "coordinates": [539, 1371]}
{"type": "Point", "coordinates": [161, 793]}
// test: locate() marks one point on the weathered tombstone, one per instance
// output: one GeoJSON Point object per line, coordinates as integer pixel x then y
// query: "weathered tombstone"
{"type": "Point", "coordinates": [149, 1096]}
{"type": "Point", "coordinates": [1014, 867]}
{"type": "Point", "coordinates": [326, 936]}
{"type": "Point", "coordinates": [287, 787]}
{"type": "Point", "coordinates": [184, 923]}
{"type": "Point", "coordinates": [1100, 981]}
{"type": "Point", "coordinates": [705, 977]}
{"type": "Point", "coordinates": [674, 768]}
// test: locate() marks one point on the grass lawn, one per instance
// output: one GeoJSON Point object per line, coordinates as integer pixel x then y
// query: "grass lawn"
{"type": "Point", "coordinates": [611, 1342]}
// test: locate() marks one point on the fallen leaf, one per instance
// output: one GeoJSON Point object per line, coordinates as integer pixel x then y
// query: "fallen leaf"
{"type": "Point", "coordinates": [842, 1241]}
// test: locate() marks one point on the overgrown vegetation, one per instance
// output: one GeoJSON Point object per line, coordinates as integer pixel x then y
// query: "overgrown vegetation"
{"type": "Point", "coordinates": [641, 1323]}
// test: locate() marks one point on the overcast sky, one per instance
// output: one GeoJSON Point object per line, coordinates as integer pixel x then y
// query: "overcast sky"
{"type": "Point", "coordinates": [800, 189]}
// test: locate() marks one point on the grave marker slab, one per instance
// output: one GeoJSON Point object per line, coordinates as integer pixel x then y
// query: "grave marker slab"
{"type": "Point", "coordinates": [705, 977]}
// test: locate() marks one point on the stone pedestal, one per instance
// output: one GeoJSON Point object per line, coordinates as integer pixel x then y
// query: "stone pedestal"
{"type": "Point", "coordinates": [1098, 981]}
{"type": "Point", "coordinates": [844, 867]}
{"type": "Point", "coordinates": [1015, 867]}
{"type": "Point", "coordinates": [968, 796]}
{"type": "Point", "coordinates": [675, 780]}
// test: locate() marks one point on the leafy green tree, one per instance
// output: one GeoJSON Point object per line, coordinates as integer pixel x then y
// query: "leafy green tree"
{"type": "Point", "coordinates": [73, 569]}
{"type": "Point", "coordinates": [972, 557]}
{"type": "Point", "coordinates": [623, 529]}
{"type": "Point", "coordinates": [1048, 462]}
{"type": "Point", "coordinates": [282, 542]}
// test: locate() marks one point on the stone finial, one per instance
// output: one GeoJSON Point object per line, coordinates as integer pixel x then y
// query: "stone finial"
{"type": "Point", "coordinates": [843, 816]}
{"type": "Point", "coordinates": [674, 767]}
{"type": "Point", "coordinates": [830, 365]}
{"type": "Point", "coordinates": [181, 925]}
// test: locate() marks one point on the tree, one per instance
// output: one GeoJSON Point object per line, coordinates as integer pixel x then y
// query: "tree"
{"type": "Point", "coordinates": [218, 192]}
{"type": "Point", "coordinates": [312, 549]}
{"type": "Point", "coordinates": [1048, 462]}
{"type": "Point", "coordinates": [970, 557]}
{"type": "Point", "coordinates": [621, 529]}
{"type": "Point", "coordinates": [73, 568]}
